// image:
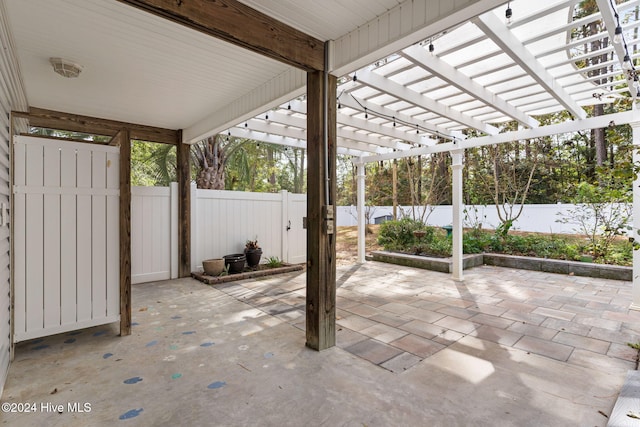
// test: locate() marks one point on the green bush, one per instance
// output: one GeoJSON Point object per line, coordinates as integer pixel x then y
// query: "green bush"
{"type": "Point", "coordinates": [398, 235]}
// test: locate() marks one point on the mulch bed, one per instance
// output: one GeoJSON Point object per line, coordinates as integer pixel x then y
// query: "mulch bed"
{"type": "Point", "coordinates": [249, 273]}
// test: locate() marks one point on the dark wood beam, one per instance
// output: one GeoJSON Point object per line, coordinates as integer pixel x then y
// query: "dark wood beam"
{"type": "Point", "coordinates": [184, 208]}
{"type": "Point", "coordinates": [49, 119]}
{"type": "Point", "coordinates": [321, 243]}
{"type": "Point", "coordinates": [125, 232]}
{"type": "Point", "coordinates": [242, 26]}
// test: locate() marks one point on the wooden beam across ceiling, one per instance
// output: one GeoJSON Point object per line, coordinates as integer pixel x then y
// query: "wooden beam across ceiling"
{"type": "Point", "coordinates": [57, 120]}
{"type": "Point", "coordinates": [243, 26]}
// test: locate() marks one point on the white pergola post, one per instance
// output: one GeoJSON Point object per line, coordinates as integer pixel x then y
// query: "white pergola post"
{"type": "Point", "coordinates": [635, 303]}
{"type": "Point", "coordinates": [362, 226]}
{"type": "Point", "coordinates": [456, 202]}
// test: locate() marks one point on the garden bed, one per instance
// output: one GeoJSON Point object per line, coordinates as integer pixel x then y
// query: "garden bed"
{"type": "Point", "coordinates": [249, 273]}
{"type": "Point", "coordinates": [444, 265]}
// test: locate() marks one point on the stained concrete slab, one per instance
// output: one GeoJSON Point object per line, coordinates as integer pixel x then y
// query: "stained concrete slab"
{"type": "Point", "coordinates": [202, 355]}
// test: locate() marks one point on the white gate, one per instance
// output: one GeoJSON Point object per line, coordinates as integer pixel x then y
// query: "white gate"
{"type": "Point", "coordinates": [296, 234]}
{"type": "Point", "coordinates": [66, 236]}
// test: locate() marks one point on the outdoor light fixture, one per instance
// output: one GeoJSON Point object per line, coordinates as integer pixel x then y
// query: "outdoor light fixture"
{"type": "Point", "coordinates": [508, 13]}
{"type": "Point", "coordinates": [617, 36]}
{"type": "Point", "coordinates": [65, 68]}
{"type": "Point", "coordinates": [626, 63]}
{"type": "Point", "coordinates": [431, 47]}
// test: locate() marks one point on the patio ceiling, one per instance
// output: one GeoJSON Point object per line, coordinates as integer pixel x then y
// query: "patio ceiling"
{"type": "Point", "coordinates": [482, 72]}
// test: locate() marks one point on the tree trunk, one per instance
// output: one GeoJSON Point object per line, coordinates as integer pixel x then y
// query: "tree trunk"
{"type": "Point", "coordinates": [211, 178]}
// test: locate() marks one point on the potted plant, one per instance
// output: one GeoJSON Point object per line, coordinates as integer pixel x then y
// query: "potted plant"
{"type": "Point", "coordinates": [213, 267]}
{"type": "Point", "coordinates": [253, 252]}
{"type": "Point", "coordinates": [234, 262]}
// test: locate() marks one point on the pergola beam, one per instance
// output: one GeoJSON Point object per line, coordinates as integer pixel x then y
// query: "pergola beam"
{"type": "Point", "coordinates": [350, 102]}
{"type": "Point", "coordinates": [625, 117]}
{"type": "Point", "coordinates": [346, 147]}
{"type": "Point", "coordinates": [240, 25]}
{"type": "Point", "coordinates": [382, 84]}
{"type": "Point", "coordinates": [421, 58]}
{"type": "Point", "coordinates": [610, 23]}
{"type": "Point", "coordinates": [497, 31]}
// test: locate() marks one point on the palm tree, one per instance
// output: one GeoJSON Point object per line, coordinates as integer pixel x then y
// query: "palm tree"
{"type": "Point", "coordinates": [210, 157]}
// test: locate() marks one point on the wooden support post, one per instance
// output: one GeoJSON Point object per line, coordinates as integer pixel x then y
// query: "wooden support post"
{"type": "Point", "coordinates": [321, 244]}
{"type": "Point", "coordinates": [184, 207]}
{"type": "Point", "coordinates": [125, 232]}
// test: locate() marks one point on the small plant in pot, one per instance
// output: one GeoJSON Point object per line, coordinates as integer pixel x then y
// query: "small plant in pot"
{"type": "Point", "coordinates": [253, 252]}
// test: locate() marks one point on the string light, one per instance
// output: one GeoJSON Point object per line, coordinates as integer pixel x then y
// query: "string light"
{"type": "Point", "coordinates": [403, 122]}
{"type": "Point", "coordinates": [508, 13]}
{"type": "Point", "coordinates": [617, 37]}
{"type": "Point", "coordinates": [355, 77]}
{"type": "Point", "coordinates": [246, 124]}
{"type": "Point", "coordinates": [431, 47]}
{"type": "Point", "coordinates": [289, 106]}
{"type": "Point", "coordinates": [627, 64]}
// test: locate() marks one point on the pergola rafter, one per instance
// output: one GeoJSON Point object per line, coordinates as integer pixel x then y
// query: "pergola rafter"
{"type": "Point", "coordinates": [496, 31]}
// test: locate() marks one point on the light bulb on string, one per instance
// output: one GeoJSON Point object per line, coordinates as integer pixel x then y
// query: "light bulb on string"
{"type": "Point", "coordinates": [289, 106]}
{"type": "Point", "coordinates": [617, 36]}
{"type": "Point", "coordinates": [626, 63]}
{"type": "Point", "coordinates": [366, 116]}
{"type": "Point", "coordinates": [508, 13]}
{"type": "Point", "coordinates": [431, 47]}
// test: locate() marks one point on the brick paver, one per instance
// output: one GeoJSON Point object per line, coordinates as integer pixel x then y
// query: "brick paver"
{"type": "Point", "coordinates": [544, 348]}
{"type": "Point", "coordinates": [397, 316]}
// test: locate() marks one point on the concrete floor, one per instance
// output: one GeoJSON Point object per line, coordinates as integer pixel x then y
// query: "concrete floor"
{"type": "Point", "coordinates": [503, 348]}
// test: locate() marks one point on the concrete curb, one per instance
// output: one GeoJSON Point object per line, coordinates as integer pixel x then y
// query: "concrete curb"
{"type": "Point", "coordinates": [444, 265]}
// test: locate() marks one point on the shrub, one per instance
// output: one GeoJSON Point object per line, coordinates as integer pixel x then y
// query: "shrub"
{"type": "Point", "coordinates": [398, 235]}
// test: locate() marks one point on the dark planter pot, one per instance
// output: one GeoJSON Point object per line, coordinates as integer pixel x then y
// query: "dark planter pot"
{"type": "Point", "coordinates": [253, 256]}
{"type": "Point", "coordinates": [235, 262]}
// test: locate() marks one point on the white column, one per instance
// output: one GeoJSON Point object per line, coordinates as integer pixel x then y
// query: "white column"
{"type": "Point", "coordinates": [362, 226]}
{"type": "Point", "coordinates": [196, 260]}
{"type": "Point", "coordinates": [173, 200]}
{"type": "Point", "coordinates": [635, 294]}
{"type": "Point", "coordinates": [456, 202]}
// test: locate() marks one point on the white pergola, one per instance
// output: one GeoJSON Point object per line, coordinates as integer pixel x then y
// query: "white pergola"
{"type": "Point", "coordinates": [476, 75]}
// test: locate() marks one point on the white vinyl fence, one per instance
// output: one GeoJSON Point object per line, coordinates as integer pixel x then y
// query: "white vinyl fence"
{"type": "Point", "coordinates": [534, 218]}
{"type": "Point", "coordinates": [221, 223]}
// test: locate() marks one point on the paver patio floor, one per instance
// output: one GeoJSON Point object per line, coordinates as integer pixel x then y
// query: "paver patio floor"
{"type": "Point", "coordinates": [504, 347]}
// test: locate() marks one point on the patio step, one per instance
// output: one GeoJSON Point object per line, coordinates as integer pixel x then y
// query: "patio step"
{"type": "Point", "coordinates": [627, 407]}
